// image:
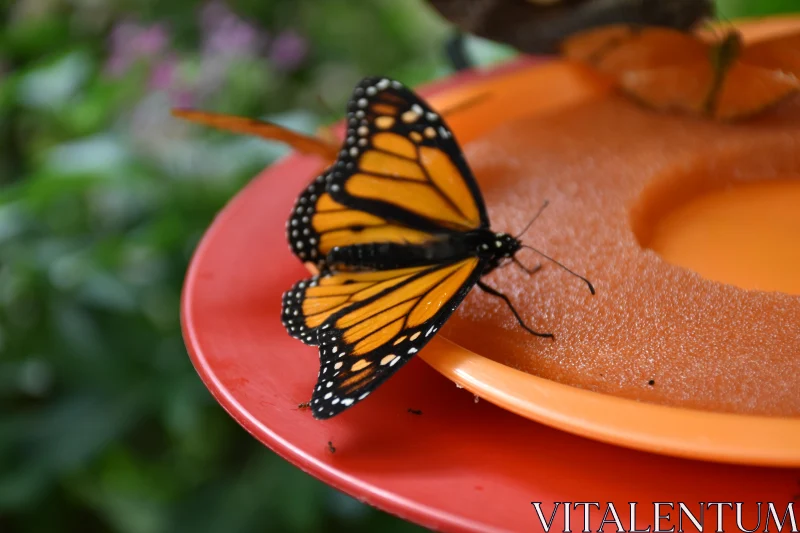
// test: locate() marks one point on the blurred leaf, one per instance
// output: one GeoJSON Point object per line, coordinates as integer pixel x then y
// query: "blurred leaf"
{"type": "Point", "coordinates": [57, 440]}
{"type": "Point", "coordinates": [748, 8]}
{"type": "Point", "coordinates": [36, 36]}
{"type": "Point", "coordinates": [51, 86]}
{"type": "Point", "coordinates": [97, 154]}
{"type": "Point", "coordinates": [485, 53]}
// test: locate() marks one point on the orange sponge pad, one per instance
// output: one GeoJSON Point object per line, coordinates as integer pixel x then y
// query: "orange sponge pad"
{"type": "Point", "coordinates": [655, 331]}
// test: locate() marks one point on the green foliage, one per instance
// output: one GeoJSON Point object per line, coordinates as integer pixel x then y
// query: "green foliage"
{"type": "Point", "coordinates": [105, 425]}
{"type": "Point", "coordinates": [751, 8]}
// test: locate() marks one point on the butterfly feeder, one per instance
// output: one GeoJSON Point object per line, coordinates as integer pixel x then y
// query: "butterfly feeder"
{"type": "Point", "coordinates": [682, 367]}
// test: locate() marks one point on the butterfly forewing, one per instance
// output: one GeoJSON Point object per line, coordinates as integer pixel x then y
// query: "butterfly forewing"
{"type": "Point", "coordinates": [318, 223]}
{"type": "Point", "coordinates": [400, 160]}
{"type": "Point", "coordinates": [364, 343]}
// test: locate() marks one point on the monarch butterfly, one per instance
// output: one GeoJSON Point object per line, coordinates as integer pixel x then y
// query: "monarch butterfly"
{"type": "Point", "coordinates": [720, 78]}
{"type": "Point", "coordinates": [399, 233]}
{"type": "Point", "coordinates": [539, 26]}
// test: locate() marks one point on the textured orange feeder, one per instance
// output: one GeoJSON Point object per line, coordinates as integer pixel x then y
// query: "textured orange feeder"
{"type": "Point", "coordinates": [687, 227]}
{"type": "Point", "coordinates": [689, 230]}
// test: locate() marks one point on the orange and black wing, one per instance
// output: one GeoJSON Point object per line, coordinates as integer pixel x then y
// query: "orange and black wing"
{"type": "Point", "coordinates": [401, 162]}
{"type": "Point", "coordinates": [400, 177]}
{"type": "Point", "coordinates": [310, 302]}
{"type": "Point", "coordinates": [368, 324]}
{"type": "Point", "coordinates": [318, 223]}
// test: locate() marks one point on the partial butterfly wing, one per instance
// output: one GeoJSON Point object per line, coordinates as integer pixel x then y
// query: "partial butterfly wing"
{"type": "Point", "coordinates": [748, 90]}
{"type": "Point", "coordinates": [368, 324]}
{"type": "Point", "coordinates": [661, 68]}
{"type": "Point", "coordinates": [259, 128]}
{"type": "Point", "coordinates": [780, 53]}
{"type": "Point", "coordinates": [539, 26]}
{"type": "Point", "coordinates": [724, 80]}
{"type": "Point", "coordinates": [670, 70]}
{"type": "Point", "coordinates": [618, 49]}
{"type": "Point", "coordinates": [765, 74]}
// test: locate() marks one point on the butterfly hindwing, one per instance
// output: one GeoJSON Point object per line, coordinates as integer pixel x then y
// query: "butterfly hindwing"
{"type": "Point", "coordinates": [310, 302]}
{"type": "Point", "coordinates": [366, 342]}
{"type": "Point", "coordinates": [400, 159]}
{"type": "Point", "coordinates": [304, 240]}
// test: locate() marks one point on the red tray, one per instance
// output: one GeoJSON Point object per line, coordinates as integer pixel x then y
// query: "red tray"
{"type": "Point", "coordinates": [459, 466]}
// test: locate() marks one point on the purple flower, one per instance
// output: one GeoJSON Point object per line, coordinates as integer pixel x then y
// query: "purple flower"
{"type": "Point", "coordinates": [163, 73]}
{"type": "Point", "coordinates": [150, 40]}
{"type": "Point", "coordinates": [131, 41]}
{"type": "Point", "coordinates": [288, 50]}
{"type": "Point", "coordinates": [181, 98]}
{"type": "Point", "coordinates": [213, 14]}
{"type": "Point", "coordinates": [228, 35]}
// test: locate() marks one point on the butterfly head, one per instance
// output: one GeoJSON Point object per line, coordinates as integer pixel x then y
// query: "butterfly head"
{"type": "Point", "coordinates": [500, 245]}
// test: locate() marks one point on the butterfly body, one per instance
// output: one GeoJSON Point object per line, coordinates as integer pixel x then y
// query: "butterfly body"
{"type": "Point", "coordinates": [489, 247]}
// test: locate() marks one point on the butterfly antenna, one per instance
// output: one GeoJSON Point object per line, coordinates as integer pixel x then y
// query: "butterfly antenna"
{"type": "Point", "coordinates": [528, 226]}
{"type": "Point", "coordinates": [589, 283]}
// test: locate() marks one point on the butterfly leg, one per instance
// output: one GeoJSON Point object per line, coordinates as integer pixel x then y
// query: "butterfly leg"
{"type": "Point", "coordinates": [495, 292]}
{"type": "Point", "coordinates": [530, 271]}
